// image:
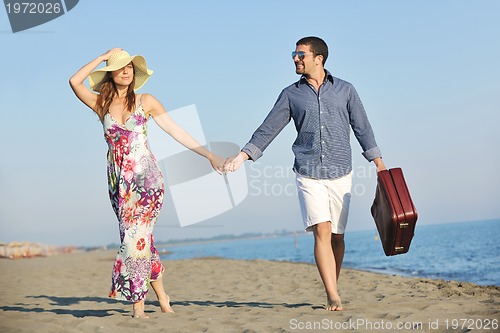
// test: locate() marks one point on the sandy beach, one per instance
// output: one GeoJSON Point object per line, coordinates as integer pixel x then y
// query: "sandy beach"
{"type": "Point", "coordinates": [68, 293]}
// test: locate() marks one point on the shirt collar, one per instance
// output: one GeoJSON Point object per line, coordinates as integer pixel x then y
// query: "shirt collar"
{"type": "Point", "coordinates": [328, 77]}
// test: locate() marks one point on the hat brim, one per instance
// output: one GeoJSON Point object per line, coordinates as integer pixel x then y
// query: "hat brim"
{"type": "Point", "coordinates": [142, 73]}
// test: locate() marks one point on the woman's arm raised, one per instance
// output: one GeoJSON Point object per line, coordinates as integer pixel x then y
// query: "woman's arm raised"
{"type": "Point", "coordinates": [76, 81]}
{"type": "Point", "coordinates": [154, 108]}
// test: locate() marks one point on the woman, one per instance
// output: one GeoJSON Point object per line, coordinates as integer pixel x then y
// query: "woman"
{"type": "Point", "coordinates": [135, 181]}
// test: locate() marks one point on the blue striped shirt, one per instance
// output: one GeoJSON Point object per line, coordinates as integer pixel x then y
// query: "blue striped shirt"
{"type": "Point", "coordinates": [323, 121]}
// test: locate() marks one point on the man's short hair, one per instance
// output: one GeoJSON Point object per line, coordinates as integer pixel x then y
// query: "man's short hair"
{"type": "Point", "coordinates": [317, 45]}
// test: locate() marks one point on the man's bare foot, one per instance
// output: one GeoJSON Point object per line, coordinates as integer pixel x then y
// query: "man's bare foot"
{"type": "Point", "coordinates": [139, 310]}
{"type": "Point", "coordinates": [165, 305]}
{"type": "Point", "coordinates": [334, 304]}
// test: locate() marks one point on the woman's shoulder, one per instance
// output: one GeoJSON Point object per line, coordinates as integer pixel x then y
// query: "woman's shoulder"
{"type": "Point", "coordinates": [147, 99]}
{"type": "Point", "coordinates": [149, 103]}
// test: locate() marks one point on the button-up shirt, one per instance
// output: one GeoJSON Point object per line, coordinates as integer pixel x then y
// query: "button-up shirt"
{"type": "Point", "coordinates": [323, 120]}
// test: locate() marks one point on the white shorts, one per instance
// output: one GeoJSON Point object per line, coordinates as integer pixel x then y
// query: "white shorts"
{"type": "Point", "coordinates": [323, 200]}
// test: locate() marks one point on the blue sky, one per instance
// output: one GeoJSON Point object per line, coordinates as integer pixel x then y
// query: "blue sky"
{"type": "Point", "coordinates": [426, 71]}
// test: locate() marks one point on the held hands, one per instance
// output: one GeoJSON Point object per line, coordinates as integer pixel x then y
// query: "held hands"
{"type": "Point", "coordinates": [233, 163]}
{"type": "Point", "coordinates": [230, 164]}
{"type": "Point", "coordinates": [217, 163]}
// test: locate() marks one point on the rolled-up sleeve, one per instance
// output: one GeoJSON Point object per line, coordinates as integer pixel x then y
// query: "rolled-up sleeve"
{"type": "Point", "coordinates": [372, 153]}
{"type": "Point", "coordinates": [272, 125]}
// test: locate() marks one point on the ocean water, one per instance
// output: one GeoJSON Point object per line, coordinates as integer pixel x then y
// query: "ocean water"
{"type": "Point", "coordinates": [468, 251]}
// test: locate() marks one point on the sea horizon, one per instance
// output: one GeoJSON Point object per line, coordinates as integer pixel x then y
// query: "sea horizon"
{"type": "Point", "coordinates": [465, 251]}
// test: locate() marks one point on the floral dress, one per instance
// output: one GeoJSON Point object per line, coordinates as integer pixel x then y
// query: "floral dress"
{"type": "Point", "coordinates": [136, 192]}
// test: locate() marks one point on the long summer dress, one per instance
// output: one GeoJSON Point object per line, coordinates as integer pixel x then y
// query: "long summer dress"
{"type": "Point", "coordinates": [136, 192]}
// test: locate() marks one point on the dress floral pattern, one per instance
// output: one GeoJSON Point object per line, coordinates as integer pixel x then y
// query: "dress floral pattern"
{"type": "Point", "coordinates": [136, 192]}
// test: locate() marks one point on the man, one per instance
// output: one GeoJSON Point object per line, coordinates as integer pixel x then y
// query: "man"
{"type": "Point", "coordinates": [324, 109]}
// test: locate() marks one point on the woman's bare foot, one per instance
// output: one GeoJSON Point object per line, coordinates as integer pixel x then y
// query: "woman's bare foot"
{"type": "Point", "coordinates": [334, 304]}
{"type": "Point", "coordinates": [139, 310]}
{"type": "Point", "coordinates": [162, 295]}
{"type": "Point", "coordinates": [165, 304]}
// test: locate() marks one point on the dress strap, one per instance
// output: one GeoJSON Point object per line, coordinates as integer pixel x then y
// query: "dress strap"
{"type": "Point", "coordinates": [140, 107]}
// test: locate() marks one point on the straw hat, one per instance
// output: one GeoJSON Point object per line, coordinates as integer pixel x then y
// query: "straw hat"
{"type": "Point", "coordinates": [119, 60]}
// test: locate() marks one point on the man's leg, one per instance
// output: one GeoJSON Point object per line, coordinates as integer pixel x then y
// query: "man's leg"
{"type": "Point", "coordinates": [338, 247]}
{"type": "Point", "coordinates": [325, 261]}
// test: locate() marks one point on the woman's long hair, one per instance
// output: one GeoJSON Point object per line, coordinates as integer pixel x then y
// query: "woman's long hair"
{"type": "Point", "coordinates": [108, 92]}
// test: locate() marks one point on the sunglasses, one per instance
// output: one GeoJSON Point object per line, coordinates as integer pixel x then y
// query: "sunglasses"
{"type": "Point", "coordinates": [300, 54]}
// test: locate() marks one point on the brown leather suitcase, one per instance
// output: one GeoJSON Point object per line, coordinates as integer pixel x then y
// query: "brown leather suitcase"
{"type": "Point", "coordinates": [394, 212]}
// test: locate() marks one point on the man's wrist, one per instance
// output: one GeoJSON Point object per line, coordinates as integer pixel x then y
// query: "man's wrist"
{"type": "Point", "coordinates": [244, 155]}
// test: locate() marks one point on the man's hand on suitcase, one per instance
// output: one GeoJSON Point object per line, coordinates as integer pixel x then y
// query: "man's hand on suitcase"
{"type": "Point", "coordinates": [380, 165]}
